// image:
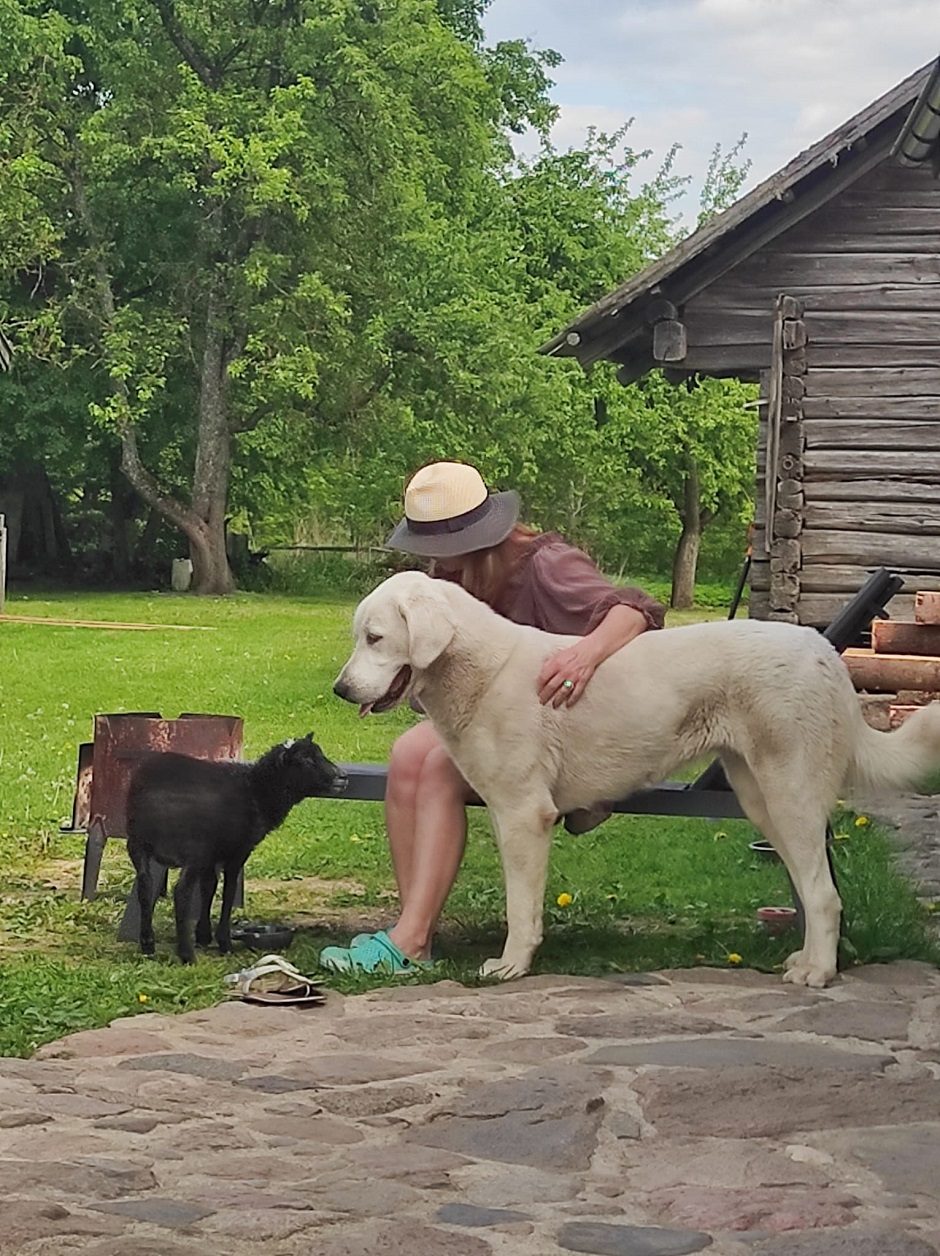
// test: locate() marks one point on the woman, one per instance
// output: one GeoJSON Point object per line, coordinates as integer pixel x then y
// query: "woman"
{"type": "Point", "coordinates": [474, 537]}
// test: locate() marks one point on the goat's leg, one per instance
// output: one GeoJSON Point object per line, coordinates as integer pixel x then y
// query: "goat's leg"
{"type": "Point", "coordinates": [184, 901]}
{"type": "Point", "coordinates": [144, 888]}
{"type": "Point", "coordinates": [208, 883]}
{"type": "Point", "coordinates": [223, 935]}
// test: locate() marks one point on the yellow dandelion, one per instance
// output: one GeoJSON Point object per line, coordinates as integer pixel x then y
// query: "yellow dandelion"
{"type": "Point", "coordinates": [735, 958]}
{"type": "Point", "coordinates": [354, 837]}
{"type": "Point", "coordinates": [143, 998]}
{"type": "Point", "coordinates": [564, 900]}
{"type": "Point", "coordinates": [861, 821]}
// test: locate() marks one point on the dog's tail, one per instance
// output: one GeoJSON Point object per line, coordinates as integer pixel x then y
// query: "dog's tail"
{"type": "Point", "coordinates": [899, 759]}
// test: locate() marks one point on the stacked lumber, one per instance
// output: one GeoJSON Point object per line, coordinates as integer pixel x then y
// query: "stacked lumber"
{"type": "Point", "coordinates": [901, 671]}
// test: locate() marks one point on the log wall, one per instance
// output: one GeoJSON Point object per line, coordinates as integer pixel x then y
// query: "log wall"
{"type": "Point", "coordinates": [864, 452]}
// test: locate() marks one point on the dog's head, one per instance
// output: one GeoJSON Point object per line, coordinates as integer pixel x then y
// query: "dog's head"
{"type": "Point", "coordinates": [399, 630]}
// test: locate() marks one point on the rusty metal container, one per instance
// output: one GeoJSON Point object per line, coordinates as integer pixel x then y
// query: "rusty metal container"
{"type": "Point", "coordinates": [120, 741]}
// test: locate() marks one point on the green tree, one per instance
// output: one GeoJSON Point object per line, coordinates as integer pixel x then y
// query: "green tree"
{"type": "Point", "coordinates": [232, 199]}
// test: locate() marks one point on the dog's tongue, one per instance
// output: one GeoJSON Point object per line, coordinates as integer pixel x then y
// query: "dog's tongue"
{"type": "Point", "coordinates": [364, 709]}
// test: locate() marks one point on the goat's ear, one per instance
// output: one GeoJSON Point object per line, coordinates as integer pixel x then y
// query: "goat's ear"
{"type": "Point", "coordinates": [431, 627]}
{"type": "Point", "coordinates": [309, 737]}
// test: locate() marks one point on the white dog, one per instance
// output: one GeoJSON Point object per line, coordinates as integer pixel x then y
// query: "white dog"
{"type": "Point", "coordinates": [774, 701]}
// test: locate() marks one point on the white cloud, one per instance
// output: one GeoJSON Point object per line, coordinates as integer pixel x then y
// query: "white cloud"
{"type": "Point", "coordinates": [701, 71]}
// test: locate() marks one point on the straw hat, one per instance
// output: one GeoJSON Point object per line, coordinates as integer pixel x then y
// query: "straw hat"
{"type": "Point", "coordinates": [450, 511]}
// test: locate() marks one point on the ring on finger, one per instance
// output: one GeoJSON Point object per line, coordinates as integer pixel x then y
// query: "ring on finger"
{"type": "Point", "coordinates": [567, 684]}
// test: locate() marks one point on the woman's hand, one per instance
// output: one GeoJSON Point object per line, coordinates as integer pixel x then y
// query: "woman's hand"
{"type": "Point", "coordinates": [575, 663]}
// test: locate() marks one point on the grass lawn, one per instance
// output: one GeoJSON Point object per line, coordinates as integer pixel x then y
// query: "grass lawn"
{"type": "Point", "coordinates": [646, 892]}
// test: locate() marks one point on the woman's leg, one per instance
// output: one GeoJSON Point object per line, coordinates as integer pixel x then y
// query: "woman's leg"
{"type": "Point", "coordinates": [427, 830]}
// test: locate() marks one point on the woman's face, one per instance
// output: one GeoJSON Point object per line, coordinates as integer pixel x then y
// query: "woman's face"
{"type": "Point", "coordinates": [452, 566]}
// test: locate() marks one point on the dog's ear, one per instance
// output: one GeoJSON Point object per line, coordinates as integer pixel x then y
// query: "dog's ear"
{"type": "Point", "coordinates": [431, 627]}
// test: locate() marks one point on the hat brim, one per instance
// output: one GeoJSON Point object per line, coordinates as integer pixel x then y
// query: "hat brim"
{"type": "Point", "coordinates": [499, 520]}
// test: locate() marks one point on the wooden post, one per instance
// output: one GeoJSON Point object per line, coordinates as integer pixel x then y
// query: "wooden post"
{"type": "Point", "coordinates": [3, 562]}
{"type": "Point", "coordinates": [784, 472]}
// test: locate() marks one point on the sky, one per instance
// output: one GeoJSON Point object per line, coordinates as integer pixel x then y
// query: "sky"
{"type": "Point", "coordinates": [699, 72]}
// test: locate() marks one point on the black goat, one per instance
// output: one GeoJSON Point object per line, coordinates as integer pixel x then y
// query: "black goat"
{"type": "Point", "coordinates": [199, 815]}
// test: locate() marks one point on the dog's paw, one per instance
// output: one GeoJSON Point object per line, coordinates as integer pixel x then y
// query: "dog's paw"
{"type": "Point", "coordinates": [505, 970]}
{"type": "Point", "coordinates": [799, 971]}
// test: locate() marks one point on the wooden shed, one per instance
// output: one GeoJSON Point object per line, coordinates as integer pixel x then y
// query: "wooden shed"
{"type": "Point", "coordinates": [823, 284]}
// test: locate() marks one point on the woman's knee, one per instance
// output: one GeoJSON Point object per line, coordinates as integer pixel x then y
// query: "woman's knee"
{"type": "Point", "coordinates": [407, 758]}
{"type": "Point", "coordinates": [440, 775]}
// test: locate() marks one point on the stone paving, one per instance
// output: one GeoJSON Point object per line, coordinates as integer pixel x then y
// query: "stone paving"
{"type": "Point", "coordinates": [648, 1115]}
{"type": "Point", "coordinates": [916, 821]}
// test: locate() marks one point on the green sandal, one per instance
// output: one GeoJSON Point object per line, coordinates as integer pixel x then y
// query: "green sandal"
{"type": "Point", "coordinates": [370, 953]}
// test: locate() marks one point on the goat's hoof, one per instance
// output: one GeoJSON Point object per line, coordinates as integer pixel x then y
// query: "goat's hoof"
{"type": "Point", "coordinates": [148, 949]}
{"type": "Point", "coordinates": [204, 941]}
{"type": "Point", "coordinates": [187, 959]}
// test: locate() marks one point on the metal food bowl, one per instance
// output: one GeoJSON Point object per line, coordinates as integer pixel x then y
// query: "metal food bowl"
{"type": "Point", "coordinates": [261, 936]}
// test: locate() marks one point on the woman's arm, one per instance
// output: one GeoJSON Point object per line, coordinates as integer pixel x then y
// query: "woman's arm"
{"type": "Point", "coordinates": [579, 662]}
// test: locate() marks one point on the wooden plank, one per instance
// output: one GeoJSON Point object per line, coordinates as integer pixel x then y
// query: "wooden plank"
{"type": "Point", "coordinates": [792, 270]}
{"type": "Point", "coordinates": [819, 609]}
{"type": "Point", "coordinates": [819, 357]}
{"type": "Point", "coordinates": [823, 577]}
{"type": "Point", "coordinates": [821, 296]}
{"type": "Point", "coordinates": [888, 637]}
{"type": "Point", "coordinates": [869, 491]}
{"type": "Point", "coordinates": [862, 197]}
{"type": "Point", "coordinates": [885, 673]}
{"type": "Point", "coordinates": [820, 405]}
{"type": "Point", "coordinates": [908, 518]}
{"type": "Point", "coordinates": [877, 549]}
{"type": "Point", "coordinates": [927, 605]}
{"type": "Point", "coordinates": [871, 434]}
{"type": "Point", "coordinates": [858, 464]}
{"type": "Point", "coordinates": [850, 215]}
{"type": "Point", "coordinates": [729, 327]}
{"type": "Point", "coordinates": [727, 359]}
{"type": "Point", "coordinates": [872, 327]}
{"type": "Point", "coordinates": [876, 382]}
{"type": "Point", "coordinates": [830, 242]}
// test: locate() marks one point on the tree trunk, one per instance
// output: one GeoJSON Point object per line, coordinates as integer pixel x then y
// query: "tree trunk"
{"type": "Point", "coordinates": [685, 560]}
{"type": "Point", "coordinates": [203, 523]}
{"type": "Point", "coordinates": [211, 570]}
{"type": "Point", "coordinates": [120, 521]}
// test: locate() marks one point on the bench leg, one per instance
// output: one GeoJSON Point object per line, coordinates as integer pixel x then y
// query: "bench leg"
{"type": "Point", "coordinates": [91, 868]}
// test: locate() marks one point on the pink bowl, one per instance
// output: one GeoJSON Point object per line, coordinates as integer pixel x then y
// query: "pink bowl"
{"type": "Point", "coordinates": [776, 920]}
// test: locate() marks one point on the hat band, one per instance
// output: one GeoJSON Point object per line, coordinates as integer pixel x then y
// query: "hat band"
{"type": "Point", "coordinates": [438, 527]}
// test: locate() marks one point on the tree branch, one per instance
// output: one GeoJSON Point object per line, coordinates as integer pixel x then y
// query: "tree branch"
{"type": "Point", "coordinates": [194, 57]}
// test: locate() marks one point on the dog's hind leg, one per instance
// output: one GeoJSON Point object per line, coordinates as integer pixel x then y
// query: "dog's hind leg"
{"type": "Point", "coordinates": [524, 839]}
{"type": "Point", "coordinates": [786, 808]}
